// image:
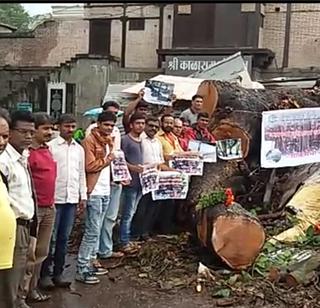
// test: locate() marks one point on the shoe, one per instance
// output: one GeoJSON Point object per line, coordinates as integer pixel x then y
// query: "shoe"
{"type": "Point", "coordinates": [135, 244]}
{"type": "Point", "coordinates": [98, 269]}
{"type": "Point", "coordinates": [60, 282]}
{"type": "Point", "coordinates": [115, 254]}
{"type": "Point", "coordinates": [87, 278]}
{"type": "Point", "coordinates": [129, 248]}
{"type": "Point", "coordinates": [21, 303]}
{"type": "Point", "coordinates": [46, 283]}
{"type": "Point", "coordinates": [36, 296]}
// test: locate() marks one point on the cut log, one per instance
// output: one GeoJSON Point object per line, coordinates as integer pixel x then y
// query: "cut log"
{"type": "Point", "coordinates": [209, 92]}
{"type": "Point", "coordinates": [232, 233]}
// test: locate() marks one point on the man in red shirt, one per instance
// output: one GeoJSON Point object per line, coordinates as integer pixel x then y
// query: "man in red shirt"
{"type": "Point", "coordinates": [43, 172]}
{"type": "Point", "coordinates": [199, 130]}
{"type": "Point", "coordinates": [179, 131]}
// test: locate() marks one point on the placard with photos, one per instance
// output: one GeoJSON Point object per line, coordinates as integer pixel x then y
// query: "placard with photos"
{"type": "Point", "coordinates": [172, 185]}
{"type": "Point", "coordinates": [119, 168]}
{"type": "Point", "coordinates": [190, 164]}
{"type": "Point", "coordinates": [149, 179]}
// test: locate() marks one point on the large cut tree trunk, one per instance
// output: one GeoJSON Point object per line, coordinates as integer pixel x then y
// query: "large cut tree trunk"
{"type": "Point", "coordinates": [238, 114]}
{"type": "Point", "coordinates": [232, 233]}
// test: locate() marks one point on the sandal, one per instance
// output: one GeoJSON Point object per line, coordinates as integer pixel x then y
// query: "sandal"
{"type": "Point", "coordinates": [96, 264]}
{"type": "Point", "coordinates": [129, 249]}
{"type": "Point", "coordinates": [36, 296]}
{"type": "Point", "coordinates": [117, 254]}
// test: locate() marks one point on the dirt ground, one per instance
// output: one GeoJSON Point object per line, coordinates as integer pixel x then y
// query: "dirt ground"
{"type": "Point", "coordinates": [164, 273]}
{"type": "Point", "coordinates": [121, 293]}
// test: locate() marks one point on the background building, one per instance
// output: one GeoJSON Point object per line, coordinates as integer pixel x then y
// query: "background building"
{"type": "Point", "coordinates": [83, 49]}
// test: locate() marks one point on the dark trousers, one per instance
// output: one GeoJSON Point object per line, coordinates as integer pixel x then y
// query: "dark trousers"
{"type": "Point", "coordinates": [145, 217]}
{"type": "Point", "coordinates": [65, 214]}
{"type": "Point", "coordinates": [166, 221]}
{"type": "Point", "coordinates": [11, 278]}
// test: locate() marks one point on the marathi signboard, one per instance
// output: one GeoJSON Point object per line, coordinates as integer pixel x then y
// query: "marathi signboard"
{"type": "Point", "coordinates": [290, 137]}
{"type": "Point", "coordinates": [186, 65]}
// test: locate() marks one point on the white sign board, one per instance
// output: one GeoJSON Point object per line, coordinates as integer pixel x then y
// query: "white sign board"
{"type": "Point", "coordinates": [290, 137]}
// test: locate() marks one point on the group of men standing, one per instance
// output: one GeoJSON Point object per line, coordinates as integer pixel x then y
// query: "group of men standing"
{"type": "Point", "coordinates": [45, 182]}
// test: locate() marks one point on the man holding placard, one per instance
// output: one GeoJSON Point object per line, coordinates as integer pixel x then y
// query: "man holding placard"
{"type": "Point", "coordinates": [148, 210]}
{"type": "Point", "coordinates": [98, 157]}
{"type": "Point", "coordinates": [131, 145]}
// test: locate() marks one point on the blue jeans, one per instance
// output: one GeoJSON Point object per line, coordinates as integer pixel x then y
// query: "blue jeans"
{"type": "Point", "coordinates": [96, 209]}
{"type": "Point", "coordinates": [65, 214]}
{"type": "Point", "coordinates": [130, 198]}
{"type": "Point", "coordinates": [105, 243]}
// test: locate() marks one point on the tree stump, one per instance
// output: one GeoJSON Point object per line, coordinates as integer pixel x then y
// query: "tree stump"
{"type": "Point", "coordinates": [232, 233]}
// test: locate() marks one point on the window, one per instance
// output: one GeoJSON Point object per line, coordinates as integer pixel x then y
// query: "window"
{"type": "Point", "coordinates": [261, 20]}
{"type": "Point", "coordinates": [136, 24]}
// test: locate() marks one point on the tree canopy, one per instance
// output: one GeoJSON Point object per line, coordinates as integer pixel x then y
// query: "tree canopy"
{"type": "Point", "coordinates": [15, 15]}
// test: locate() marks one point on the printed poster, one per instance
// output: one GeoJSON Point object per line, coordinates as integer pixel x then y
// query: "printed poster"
{"type": "Point", "coordinates": [207, 150]}
{"type": "Point", "coordinates": [119, 168]}
{"type": "Point", "coordinates": [229, 149]}
{"type": "Point", "coordinates": [172, 185]}
{"type": "Point", "coordinates": [290, 137]}
{"type": "Point", "coordinates": [149, 179]}
{"type": "Point", "coordinates": [191, 164]}
{"type": "Point", "coordinates": [158, 92]}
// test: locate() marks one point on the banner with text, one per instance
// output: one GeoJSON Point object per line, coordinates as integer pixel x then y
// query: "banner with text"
{"type": "Point", "coordinates": [290, 137]}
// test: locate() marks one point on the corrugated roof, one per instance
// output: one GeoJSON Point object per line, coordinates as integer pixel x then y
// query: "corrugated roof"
{"type": "Point", "coordinates": [8, 26]}
{"type": "Point", "coordinates": [184, 87]}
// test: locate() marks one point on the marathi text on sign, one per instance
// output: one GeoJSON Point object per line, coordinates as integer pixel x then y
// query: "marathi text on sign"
{"type": "Point", "coordinates": [290, 137]}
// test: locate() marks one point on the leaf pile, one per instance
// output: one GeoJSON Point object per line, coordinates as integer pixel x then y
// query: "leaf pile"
{"type": "Point", "coordinates": [281, 255]}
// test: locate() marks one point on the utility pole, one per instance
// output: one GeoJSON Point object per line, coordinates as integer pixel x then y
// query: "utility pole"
{"type": "Point", "coordinates": [285, 59]}
{"type": "Point", "coordinates": [124, 20]}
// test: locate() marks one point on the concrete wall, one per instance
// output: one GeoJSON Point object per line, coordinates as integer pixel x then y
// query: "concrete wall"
{"type": "Point", "coordinates": [91, 77]}
{"type": "Point", "coordinates": [274, 31]}
{"type": "Point", "coordinates": [53, 42]}
{"type": "Point", "coordinates": [168, 26]}
{"type": "Point", "coordinates": [304, 33]}
{"type": "Point", "coordinates": [116, 38]}
{"type": "Point", "coordinates": [141, 46]}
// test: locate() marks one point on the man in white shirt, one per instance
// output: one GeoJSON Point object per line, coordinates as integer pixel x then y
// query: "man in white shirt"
{"type": "Point", "coordinates": [191, 114]}
{"type": "Point", "coordinates": [105, 243]}
{"type": "Point", "coordinates": [14, 167]}
{"type": "Point", "coordinates": [147, 212]}
{"type": "Point", "coordinates": [71, 191]}
{"type": "Point", "coordinates": [98, 148]}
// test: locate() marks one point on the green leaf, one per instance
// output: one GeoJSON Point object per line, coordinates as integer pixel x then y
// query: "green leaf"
{"type": "Point", "coordinates": [224, 293]}
{"type": "Point", "coordinates": [310, 232]}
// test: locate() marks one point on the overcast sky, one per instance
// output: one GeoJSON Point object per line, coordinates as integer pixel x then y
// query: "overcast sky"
{"type": "Point", "coordinates": [42, 8]}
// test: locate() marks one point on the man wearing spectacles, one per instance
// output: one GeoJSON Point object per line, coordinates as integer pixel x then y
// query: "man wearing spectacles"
{"type": "Point", "coordinates": [14, 166]}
